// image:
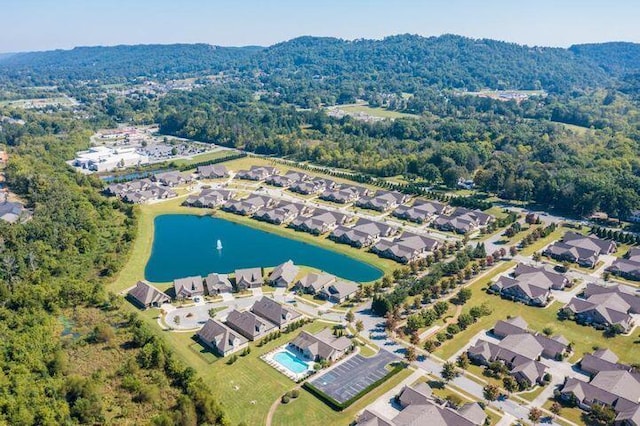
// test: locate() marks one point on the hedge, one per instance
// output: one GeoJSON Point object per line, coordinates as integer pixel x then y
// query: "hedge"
{"type": "Point", "coordinates": [214, 161]}
{"type": "Point", "coordinates": [337, 406]}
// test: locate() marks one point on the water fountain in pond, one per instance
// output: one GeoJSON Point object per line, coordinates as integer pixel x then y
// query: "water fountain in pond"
{"type": "Point", "coordinates": [219, 245]}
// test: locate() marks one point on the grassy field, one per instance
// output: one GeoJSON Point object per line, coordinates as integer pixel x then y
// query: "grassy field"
{"type": "Point", "coordinates": [207, 156]}
{"type": "Point", "coordinates": [584, 338]}
{"type": "Point", "coordinates": [374, 112]}
{"type": "Point", "coordinates": [310, 411]}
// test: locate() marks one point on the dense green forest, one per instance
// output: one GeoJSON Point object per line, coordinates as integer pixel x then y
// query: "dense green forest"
{"type": "Point", "coordinates": [54, 267]}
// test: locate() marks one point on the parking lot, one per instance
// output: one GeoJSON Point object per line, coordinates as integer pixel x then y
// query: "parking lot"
{"type": "Point", "coordinates": [352, 376]}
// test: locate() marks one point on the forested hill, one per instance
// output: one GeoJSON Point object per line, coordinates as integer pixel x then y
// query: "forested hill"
{"type": "Point", "coordinates": [407, 62]}
{"type": "Point", "coordinates": [397, 63]}
{"type": "Point", "coordinates": [119, 62]}
{"type": "Point", "coordinates": [618, 58]}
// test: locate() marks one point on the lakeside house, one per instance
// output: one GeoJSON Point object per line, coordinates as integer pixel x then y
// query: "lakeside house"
{"type": "Point", "coordinates": [529, 285]}
{"type": "Point", "coordinates": [629, 266]}
{"type": "Point", "coordinates": [284, 274]}
{"type": "Point", "coordinates": [581, 249]}
{"type": "Point", "coordinates": [282, 213]}
{"type": "Point", "coordinates": [605, 306]}
{"type": "Point", "coordinates": [144, 295]}
{"type": "Point", "coordinates": [249, 324]}
{"type": "Point", "coordinates": [519, 350]}
{"type": "Point", "coordinates": [338, 291]}
{"type": "Point", "coordinates": [406, 248]}
{"type": "Point", "coordinates": [319, 223]}
{"type": "Point", "coordinates": [248, 278]}
{"type": "Point", "coordinates": [139, 191]}
{"type": "Point", "coordinates": [188, 287]}
{"type": "Point", "coordinates": [218, 284]}
{"type": "Point", "coordinates": [313, 282]}
{"type": "Point", "coordinates": [212, 171]}
{"type": "Point", "coordinates": [208, 198]}
{"type": "Point", "coordinates": [249, 205]}
{"type": "Point", "coordinates": [274, 312]}
{"type": "Point", "coordinates": [321, 346]}
{"type": "Point", "coordinates": [221, 338]}
{"type": "Point", "coordinates": [420, 407]}
{"type": "Point", "coordinates": [611, 384]}
{"type": "Point", "coordinates": [364, 233]}
{"type": "Point", "coordinates": [422, 211]}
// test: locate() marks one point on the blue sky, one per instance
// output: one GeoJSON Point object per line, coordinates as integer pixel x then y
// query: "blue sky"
{"type": "Point", "coordinates": [48, 24]}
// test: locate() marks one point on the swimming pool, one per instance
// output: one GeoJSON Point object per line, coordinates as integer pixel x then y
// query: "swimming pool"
{"type": "Point", "coordinates": [291, 362]}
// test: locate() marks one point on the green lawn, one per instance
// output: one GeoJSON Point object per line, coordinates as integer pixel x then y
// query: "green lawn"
{"type": "Point", "coordinates": [584, 338]}
{"type": "Point", "coordinates": [310, 411]}
{"type": "Point", "coordinates": [207, 156]}
{"type": "Point", "coordinates": [374, 112]}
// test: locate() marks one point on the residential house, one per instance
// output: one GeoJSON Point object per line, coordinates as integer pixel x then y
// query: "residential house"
{"type": "Point", "coordinates": [173, 178]}
{"type": "Point", "coordinates": [274, 312]}
{"type": "Point", "coordinates": [249, 278]}
{"type": "Point", "coordinates": [257, 173]}
{"type": "Point", "coordinates": [628, 267]}
{"type": "Point", "coordinates": [221, 338]}
{"type": "Point", "coordinates": [218, 283]}
{"type": "Point", "coordinates": [321, 346]}
{"type": "Point", "coordinates": [519, 350]}
{"type": "Point", "coordinates": [209, 198]}
{"type": "Point", "coordinates": [309, 187]}
{"type": "Point", "coordinates": [319, 223]}
{"type": "Point", "coordinates": [188, 287]}
{"type": "Point", "coordinates": [212, 171]}
{"type": "Point", "coordinates": [530, 285]}
{"type": "Point", "coordinates": [338, 292]}
{"type": "Point", "coordinates": [605, 306]}
{"type": "Point", "coordinates": [421, 211]}
{"type": "Point", "coordinates": [364, 233]}
{"type": "Point", "coordinates": [249, 324]}
{"type": "Point", "coordinates": [145, 296]}
{"type": "Point", "coordinates": [313, 282]}
{"type": "Point", "coordinates": [283, 213]}
{"type": "Point", "coordinates": [581, 249]}
{"type": "Point", "coordinates": [420, 407]}
{"type": "Point", "coordinates": [406, 248]}
{"type": "Point", "coordinates": [284, 274]}
{"type": "Point", "coordinates": [344, 194]}
{"type": "Point", "coordinates": [463, 221]}
{"type": "Point", "coordinates": [611, 384]}
{"type": "Point", "coordinates": [13, 212]}
{"type": "Point", "coordinates": [383, 200]}
{"type": "Point", "coordinates": [288, 179]}
{"type": "Point", "coordinates": [249, 205]}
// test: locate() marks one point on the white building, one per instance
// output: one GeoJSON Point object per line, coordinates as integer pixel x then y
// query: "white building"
{"type": "Point", "coordinates": [102, 158]}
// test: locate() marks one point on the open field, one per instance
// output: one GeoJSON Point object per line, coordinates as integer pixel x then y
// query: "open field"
{"type": "Point", "coordinates": [584, 338]}
{"type": "Point", "coordinates": [207, 156]}
{"type": "Point", "coordinates": [373, 111]}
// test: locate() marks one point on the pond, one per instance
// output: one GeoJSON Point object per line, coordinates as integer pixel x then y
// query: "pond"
{"type": "Point", "coordinates": [186, 245]}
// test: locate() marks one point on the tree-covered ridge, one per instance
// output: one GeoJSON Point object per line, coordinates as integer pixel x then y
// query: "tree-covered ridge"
{"type": "Point", "coordinates": [123, 62]}
{"type": "Point", "coordinates": [617, 58]}
{"type": "Point", "coordinates": [335, 69]}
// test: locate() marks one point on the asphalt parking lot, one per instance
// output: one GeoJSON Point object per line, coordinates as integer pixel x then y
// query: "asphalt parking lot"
{"type": "Point", "coordinates": [352, 376]}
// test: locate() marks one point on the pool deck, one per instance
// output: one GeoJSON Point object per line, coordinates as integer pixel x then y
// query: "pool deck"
{"type": "Point", "coordinates": [296, 377]}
